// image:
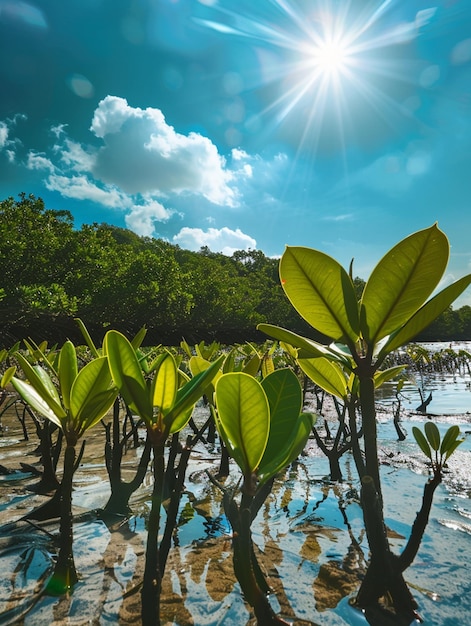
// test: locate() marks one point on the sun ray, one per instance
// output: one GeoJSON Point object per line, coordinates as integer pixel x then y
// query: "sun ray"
{"type": "Point", "coordinates": [326, 55]}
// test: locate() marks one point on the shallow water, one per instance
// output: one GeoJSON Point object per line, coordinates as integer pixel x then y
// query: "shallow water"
{"type": "Point", "coordinates": [309, 533]}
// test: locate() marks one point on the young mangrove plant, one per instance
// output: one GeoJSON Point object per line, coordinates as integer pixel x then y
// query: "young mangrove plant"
{"type": "Point", "coordinates": [118, 432]}
{"type": "Point", "coordinates": [394, 307]}
{"type": "Point", "coordinates": [264, 430]}
{"type": "Point", "coordinates": [438, 451]}
{"type": "Point", "coordinates": [164, 398]}
{"type": "Point", "coordinates": [82, 399]}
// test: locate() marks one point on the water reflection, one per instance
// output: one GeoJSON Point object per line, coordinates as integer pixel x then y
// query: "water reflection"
{"type": "Point", "coordinates": [309, 539]}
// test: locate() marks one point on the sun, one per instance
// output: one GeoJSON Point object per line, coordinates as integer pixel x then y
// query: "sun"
{"type": "Point", "coordinates": [322, 68]}
{"type": "Point", "coordinates": [330, 58]}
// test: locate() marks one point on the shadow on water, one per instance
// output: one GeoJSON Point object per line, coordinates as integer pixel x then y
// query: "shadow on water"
{"type": "Point", "coordinates": [309, 537]}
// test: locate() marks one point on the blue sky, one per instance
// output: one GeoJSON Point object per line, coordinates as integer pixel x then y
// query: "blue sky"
{"type": "Point", "coordinates": [339, 125]}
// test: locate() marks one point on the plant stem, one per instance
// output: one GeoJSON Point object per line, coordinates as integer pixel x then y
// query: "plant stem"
{"type": "Point", "coordinates": [410, 551]}
{"type": "Point", "coordinates": [152, 584]}
{"type": "Point", "coordinates": [245, 565]}
{"type": "Point", "coordinates": [65, 575]}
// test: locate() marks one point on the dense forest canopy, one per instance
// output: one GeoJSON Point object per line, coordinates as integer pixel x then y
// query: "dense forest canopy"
{"type": "Point", "coordinates": [52, 273]}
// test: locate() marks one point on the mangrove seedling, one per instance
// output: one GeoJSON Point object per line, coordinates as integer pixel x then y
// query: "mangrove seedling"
{"type": "Point", "coordinates": [82, 399]}
{"type": "Point", "coordinates": [264, 430]}
{"type": "Point", "coordinates": [164, 399]}
{"type": "Point", "coordinates": [396, 304]}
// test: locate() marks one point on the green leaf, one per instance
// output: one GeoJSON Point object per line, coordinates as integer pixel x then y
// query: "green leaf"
{"type": "Point", "coordinates": [252, 366]}
{"type": "Point", "coordinates": [401, 282]}
{"type": "Point", "coordinates": [388, 374]}
{"type": "Point", "coordinates": [293, 446]}
{"type": "Point", "coordinates": [321, 291]}
{"type": "Point", "coordinates": [308, 348]}
{"type": "Point", "coordinates": [425, 316]}
{"type": "Point", "coordinates": [192, 391]}
{"type": "Point", "coordinates": [43, 385]}
{"type": "Point", "coordinates": [285, 399]}
{"type": "Point", "coordinates": [448, 440]}
{"type": "Point", "coordinates": [165, 384]}
{"type": "Point", "coordinates": [68, 370]}
{"type": "Point", "coordinates": [328, 375]}
{"type": "Point", "coordinates": [35, 400]}
{"type": "Point", "coordinates": [452, 447]}
{"type": "Point", "coordinates": [244, 414]}
{"type": "Point", "coordinates": [197, 365]}
{"type": "Point", "coordinates": [422, 441]}
{"type": "Point", "coordinates": [87, 337]}
{"type": "Point", "coordinates": [433, 435]}
{"type": "Point", "coordinates": [7, 376]}
{"type": "Point", "coordinates": [181, 420]}
{"type": "Point", "coordinates": [138, 338]}
{"type": "Point", "coordinates": [127, 374]}
{"type": "Point", "coordinates": [91, 395]}
{"type": "Point", "coordinates": [229, 362]}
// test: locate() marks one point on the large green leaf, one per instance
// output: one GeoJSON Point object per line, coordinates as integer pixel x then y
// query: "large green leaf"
{"type": "Point", "coordinates": [293, 446]}
{"type": "Point", "coordinates": [36, 401]}
{"type": "Point", "coordinates": [425, 315]}
{"type": "Point", "coordinates": [91, 395]}
{"type": "Point", "coordinates": [165, 384]}
{"type": "Point", "coordinates": [68, 370]}
{"type": "Point", "coordinates": [127, 374]}
{"type": "Point", "coordinates": [321, 291]}
{"type": "Point", "coordinates": [401, 282]}
{"type": "Point", "coordinates": [328, 375]}
{"type": "Point", "coordinates": [244, 414]}
{"type": "Point", "coordinates": [285, 399]}
{"type": "Point", "coordinates": [307, 347]}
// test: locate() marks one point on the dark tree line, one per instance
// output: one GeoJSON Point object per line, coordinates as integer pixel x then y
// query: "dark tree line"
{"type": "Point", "coordinates": [52, 273]}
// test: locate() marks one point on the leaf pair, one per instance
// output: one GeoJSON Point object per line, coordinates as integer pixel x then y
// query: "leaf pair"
{"type": "Point", "coordinates": [261, 424]}
{"type": "Point", "coordinates": [85, 396]}
{"type": "Point", "coordinates": [392, 302]}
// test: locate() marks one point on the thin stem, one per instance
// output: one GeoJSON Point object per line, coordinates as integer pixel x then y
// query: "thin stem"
{"type": "Point", "coordinates": [65, 575]}
{"type": "Point", "coordinates": [152, 584]}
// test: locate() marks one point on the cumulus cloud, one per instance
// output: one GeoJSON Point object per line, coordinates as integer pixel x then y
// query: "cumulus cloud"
{"type": "Point", "coordinates": [138, 164]}
{"type": "Point", "coordinates": [163, 161]}
{"type": "Point", "coordinates": [82, 188]}
{"type": "Point", "coordinates": [222, 240]}
{"type": "Point", "coordinates": [141, 218]}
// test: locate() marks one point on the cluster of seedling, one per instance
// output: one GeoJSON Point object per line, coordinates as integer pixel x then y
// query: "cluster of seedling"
{"type": "Point", "coordinates": [257, 410]}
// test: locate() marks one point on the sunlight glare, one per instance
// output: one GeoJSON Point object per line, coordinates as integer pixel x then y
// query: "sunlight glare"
{"type": "Point", "coordinates": [330, 57]}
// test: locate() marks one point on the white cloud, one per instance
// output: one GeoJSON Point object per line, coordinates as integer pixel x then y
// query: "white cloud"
{"type": "Point", "coordinates": [163, 161]}
{"type": "Point", "coordinates": [36, 161]}
{"type": "Point", "coordinates": [75, 156]}
{"type": "Point", "coordinates": [222, 240]}
{"type": "Point", "coordinates": [81, 188]}
{"type": "Point", "coordinates": [3, 135]}
{"type": "Point", "coordinates": [141, 218]}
